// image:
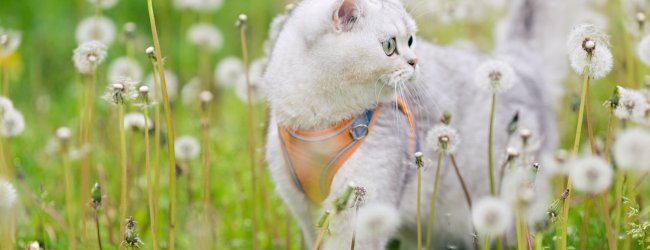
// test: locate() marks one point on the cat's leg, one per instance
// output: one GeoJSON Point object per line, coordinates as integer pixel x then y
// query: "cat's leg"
{"type": "Point", "coordinates": [299, 205]}
{"type": "Point", "coordinates": [382, 177]}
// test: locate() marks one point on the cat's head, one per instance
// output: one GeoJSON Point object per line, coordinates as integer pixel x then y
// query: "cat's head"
{"type": "Point", "coordinates": [350, 41]}
{"type": "Point", "coordinates": [335, 58]}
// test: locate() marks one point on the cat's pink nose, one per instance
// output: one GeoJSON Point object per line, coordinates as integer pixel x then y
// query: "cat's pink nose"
{"type": "Point", "coordinates": [413, 62]}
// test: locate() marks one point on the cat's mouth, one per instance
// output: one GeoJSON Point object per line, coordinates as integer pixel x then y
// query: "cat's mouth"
{"type": "Point", "coordinates": [399, 77]}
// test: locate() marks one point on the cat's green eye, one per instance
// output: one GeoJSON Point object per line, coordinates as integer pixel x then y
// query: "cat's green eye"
{"type": "Point", "coordinates": [390, 46]}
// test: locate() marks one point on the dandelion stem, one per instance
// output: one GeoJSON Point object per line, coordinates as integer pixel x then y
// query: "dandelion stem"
{"type": "Point", "coordinates": [490, 137]}
{"type": "Point", "coordinates": [5, 77]}
{"type": "Point", "coordinates": [468, 197]}
{"type": "Point", "coordinates": [72, 234]}
{"type": "Point", "coordinates": [538, 240]}
{"type": "Point", "coordinates": [432, 208]}
{"type": "Point", "coordinates": [156, 165]}
{"type": "Point", "coordinates": [486, 243]}
{"type": "Point", "coordinates": [99, 235]}
{"type": "Point", "coordinates": [576, 146]}
{"type": "Point", "coordinates": [251, 133]}
{"type": "Point", "coordinates": [86, 141]}
{"type": "Point", "coordinates": [521, 243]}
{"type": "Point", "coordinates": [590, 130]}
{"type": "Point", "coordinates": [584, 230]}
{"type": "Point", "coordinates": [170, 129]}
{"type": "Point", "coordinates": [123, 166]}
{"type": "Point", "coordinates": [323, 229]}
{"type": "Point", "coordinates": [147, 160]}
{"type": "Point", "coordinates": [419, 207]}
{"type": "Point", "coordinates": [611, 238]}
{"type": "Point", "coordinates": [6, 170]}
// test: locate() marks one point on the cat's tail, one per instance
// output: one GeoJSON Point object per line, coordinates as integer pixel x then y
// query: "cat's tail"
{"type": "Point", "coordinates": [536, 31]}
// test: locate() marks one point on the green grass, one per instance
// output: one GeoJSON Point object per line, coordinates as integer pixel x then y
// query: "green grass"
{"type": "Point", "coordinates": [47, 89]}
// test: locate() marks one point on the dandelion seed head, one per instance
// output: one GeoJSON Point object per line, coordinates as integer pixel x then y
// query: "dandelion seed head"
{"type": "Point", "coordinates": [491, 216]}
{"type": "Point", "coordinates": [129, 29]}
{"type": "Point", "coordinates": [5, 105]}
{"type": "Point", "coordinates": [93, 28]}
{"type": "Point", "coordinates": [88, 55]}
{"type": "Point", "coordinates": [63, 133]}
{"type": "Point", "coordinates": [376, 221]}
{"type": "Point", "coordinates": [104, 4]}
{"type": "Point", "coordinates": [495, 76]}
{"type": "Point", "coordinates": [256, 74]}
{"type": "Point", "coordinates": [632, 105]}
{"type": "Point", "coordinates": [171, 83]}
{"type": "Point", "coordinates": [444, 139]}
{"type": "Point", "coordinates": [205, 35]}
{"type": "Point", "coordinates": [187, 148]}
{"type": "Point", "coordinates": [228, 71]}
{"type": "Point", "coordinates": [8, 196]}
{"type": "Point", "coordinates": [124, 68]}
{"type": "Point", "coordinates": [556, 164]}
{"type": "Point", "coordinates": [588, 46]}
{"type": "Point", "coordinates": [34, 246]}
{"type": "Point", "coordinates": [12, 123]}
{"type": "Point", "coordinates": [121, 92]}
{"type": "Point", "coordinates": [632, 149]}
{"type": "Point", "coordinates": [135, 121]}
{"type": "Point", "coordinates": [9, 41]}
{"type": "Point", "coordinates": [206, 96]}
{"type": "Point", "coordinates": [643, 50]}
{"type": "Point", "coordinates": [143, 89]}
{"type": "Point", "coordinates": [518, 189]}
{"type": "Point", "coordinates": [591, 174]}
{"type": "Point", "coordinates": [243, 17]}
{"type": "Point", "coordinates": [191, 91]}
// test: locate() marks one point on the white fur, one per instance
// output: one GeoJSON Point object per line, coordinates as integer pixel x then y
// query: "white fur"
{"type": "Point", "coordinates": [322, 71]}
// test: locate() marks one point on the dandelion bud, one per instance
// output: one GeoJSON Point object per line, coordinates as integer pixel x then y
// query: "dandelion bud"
{"type": "Point", "coordinates": [34, 245]}
{"type": "Point", "coordinates": [131, 238]}
{"type": "Point", "coordinates": [418, 159]}
{"type": "Point", "coordinates": [341, 202]}
{"type": "Point", "coordinates": [144, 90]}
{"type": "Point", "coordinates": [206, 96]}
{"type": "Point", "coordinates": [446, 118]}
{"type": "Point", "coordinates": [63, 133]}
{"type": "Point", "coordinates": [151, 53]}
{"type": "Point", "coordinates": [289, 7]}
{"type": "Point", "coordinates": [525, 135]}
{"type": "Point", "coordinates": [512, 153]}
{"type": "Point", "coordinates": [129, 29]}
{"type": "Point", "coordinates": [514, 123]}
{"type": "Point", "coordinates": [118, 86]}
{"type": "Point", "coordinates": [323, 218]}
{"type": "Point", "coordinates": [241, 21]}
{"type": "Point", "coordinates": [640, 17]}
{"type": "Point", "coordinates": [96, 195]}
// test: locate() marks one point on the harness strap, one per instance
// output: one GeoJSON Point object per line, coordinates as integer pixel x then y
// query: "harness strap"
{"type": "Point", "coordinates": [314, 157]}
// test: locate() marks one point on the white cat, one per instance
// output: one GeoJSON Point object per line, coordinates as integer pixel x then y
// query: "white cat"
{"type": "Point", "coordinates": [333, 60]}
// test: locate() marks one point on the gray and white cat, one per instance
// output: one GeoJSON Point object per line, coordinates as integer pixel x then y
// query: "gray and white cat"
{"type": "Point", "coordinates": [329, 63]}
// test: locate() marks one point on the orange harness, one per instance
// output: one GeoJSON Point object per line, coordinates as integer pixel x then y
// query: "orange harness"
{"type": "Point", "coordinates": [314, 157]}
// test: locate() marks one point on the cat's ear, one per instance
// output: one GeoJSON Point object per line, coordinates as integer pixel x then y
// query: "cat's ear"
{"type": "Point", "coordinates": [345, 15]}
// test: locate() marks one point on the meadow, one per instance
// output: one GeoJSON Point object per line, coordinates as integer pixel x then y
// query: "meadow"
{"type": "Point", "coordinates": [65, 174]}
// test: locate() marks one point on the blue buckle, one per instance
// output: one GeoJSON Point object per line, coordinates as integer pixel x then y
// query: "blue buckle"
{"type": "Point", "coordinates": [359, 131]}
